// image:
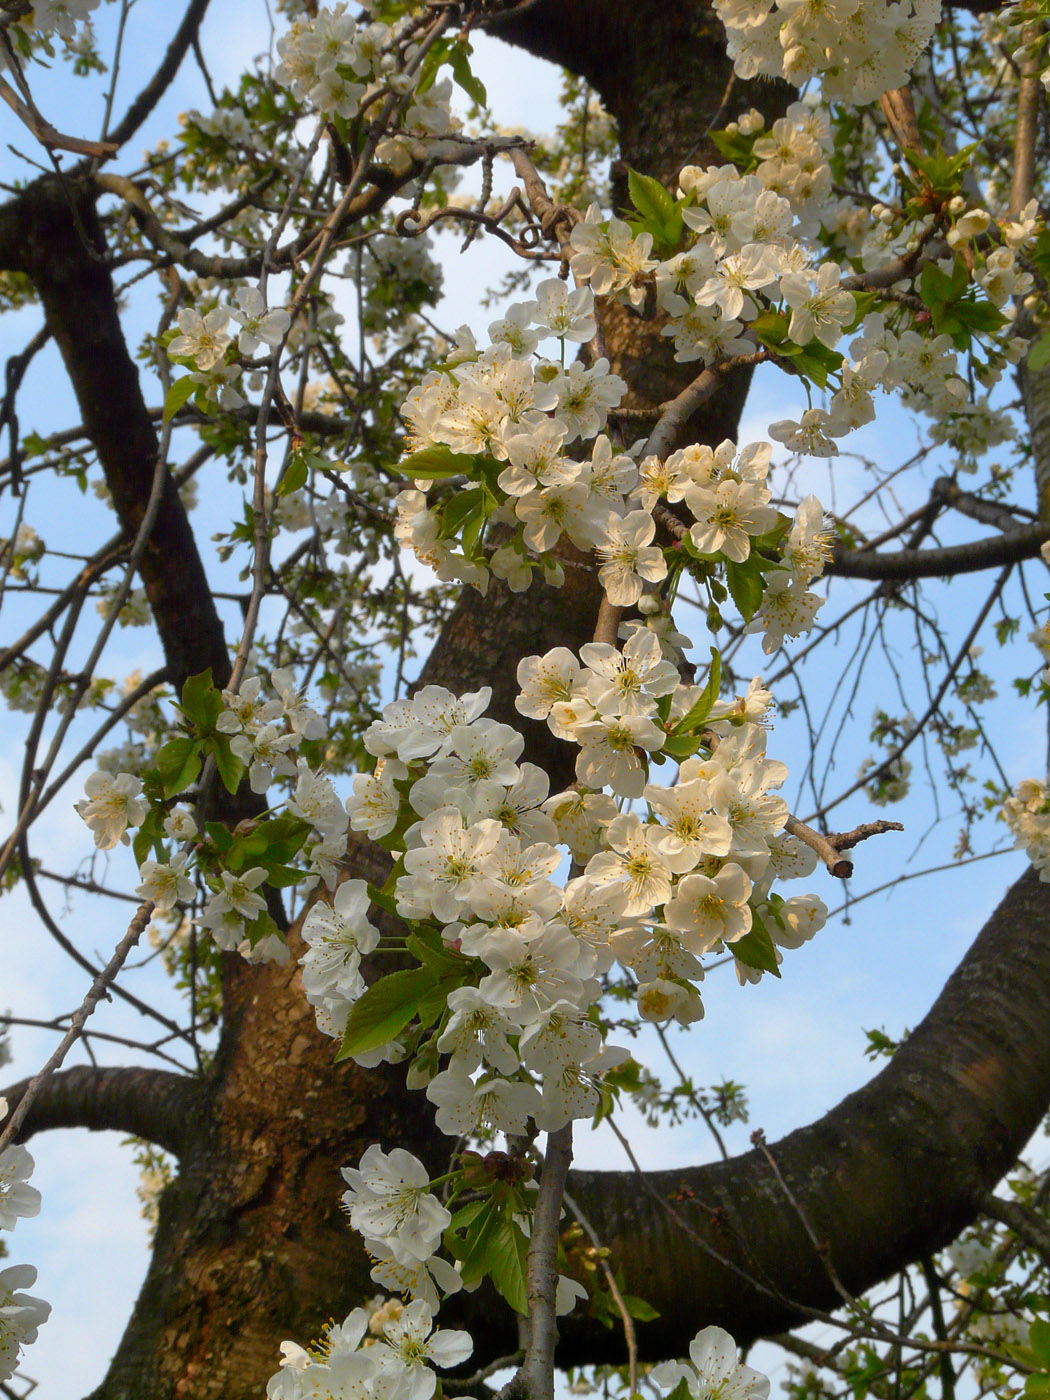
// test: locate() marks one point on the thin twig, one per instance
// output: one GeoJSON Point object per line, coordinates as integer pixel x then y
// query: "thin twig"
{"type": "Point", "coordinates": [630, 1335]}
{"type": "Point", "coordinates": [830, 847]}
{"type": "Point", "coordinates": [96, 992]}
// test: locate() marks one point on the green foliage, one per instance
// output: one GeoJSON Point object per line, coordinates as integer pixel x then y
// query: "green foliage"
{"type": "Point", "coordinates": [756, 948]}
{"type": "Point", "coordinates": [659, 213]}
{"type": "Point", "coordinates": [954, 305]}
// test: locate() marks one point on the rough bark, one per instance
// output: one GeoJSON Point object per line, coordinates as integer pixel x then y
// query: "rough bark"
{"type": "Point", "coordinates": [251, 1246]}
{"type": "Point", "coordinates": [147, 1103]}
{"type": "Point", "coordinates": [51, 232]}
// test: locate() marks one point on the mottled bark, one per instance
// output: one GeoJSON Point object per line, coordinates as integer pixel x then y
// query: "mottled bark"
{"type": "Point", "coordinates": [51, 232]}
{"type": "Point", "coordinates": [154, 1104]}
{"type": "Point", "coordinates": [1035, 395]}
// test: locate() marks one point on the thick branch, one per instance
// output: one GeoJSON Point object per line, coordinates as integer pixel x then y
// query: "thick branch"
{"type": "Point", "coordinates": [51, 232]}
{"type": "Point", "coordinates": [146, 1103]}
{"type": "Point", "coordinates": [891, 1174]}
{"type": "Point", "coordinates": [1025, 1222]}
{"type": "Point", "coordinates": [907, 564]}
{"type": "Point", "coordinates": [155, 89]}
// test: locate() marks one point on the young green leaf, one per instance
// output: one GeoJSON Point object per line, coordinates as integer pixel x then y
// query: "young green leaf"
{"type": "Point", "coordinates": [180, 391]}
{"type": "Point", "coordinates": [384, 1011]}
{"type": "Point", "coordinates": [691, 721]}
{"type": "Point", "coordinates": [178, 763]}
{"type": "Point", "coordinates": [434, 463]}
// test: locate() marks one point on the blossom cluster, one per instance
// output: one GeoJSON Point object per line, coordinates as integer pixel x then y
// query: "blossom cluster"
{"type": "Point", "coordinates": [859, 48]}
{"type": "Point", "coordinates": [1027, 813]}
{"type": "Point", "coordinates": [749, 276]}
{"type": "Point", "coordinates": [262, 734]}
{"type": "Point", "coordinates": [204, 341]}
{"type": "Point", "coordinates": [479, 842]}
{"type": "Point", "coordinates": [389, 1354]}
{"type": "Point", "coordinates": [338, 67]}
{"type": "Point", "coordinates": [20, 1314]}
{"type": "Point", "coordinates": [752, 280]}
{"type": "Point", "coordinates": [510, 422]}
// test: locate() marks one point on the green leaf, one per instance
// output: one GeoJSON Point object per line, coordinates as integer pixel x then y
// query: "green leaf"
{"type": "Point", "coordinates": [700, 711]}
{"type": "Point", "coordinates": [384, 1011]}
{"type": "Point", "coordinates": [506, 1254]}
{"type": "Point", "coordinates": [463, 506]}
{"type": "Point", "coordinates": [201, 702]}
{"type": "Point", "coordinates": [468, 80]}
{"type": "Point", "coordinates": [220, 836]}
{"type": "Point", "coordinates": [260, 928]}
{"type": "Point", "coordinates": [756, 949]}
{"type": "Point", "coordinates": [733, 146]}
{"type": "Point", "coordinates": [178, 763]}
{"type": "Point", "coordinates": [682, 746]}
{"type": "Point", "coordinates": [818, 363]}
{"type": "Point", "coordinates": [746, 585]}
{"type": "Point", "coordinates": [935, 286]}
{"type": "Point", "coordinates": [295, 477]}
{"type": "Point", "coordinates": [651, 199]}
{"type": "Point", "coordinates": [382, 900]}
{"type": "Point", "coordinates": [661, 214]}
{"type": "Point", "coordinates": [281, 877]}
{"type": "Point", "coordinates": [229, 767]}
{"type": "Point", "coordinates": [436, 999]}
{"type": "Point", "coordinates": [980, 316]}
{"type": "Point", "coordinates": [150, 834]}
{"type": "Point", "coordinates": [442, 962]}
{"type": "Point", "coordinates": [435, 463]}
{"type": "Point", "coordinates": [1039, 1340]}
{"type": "Point", "coordinates": [437, 54]}
{"type": "Point", "coordinates": [771, 329]}
{"type": "Point", "coordinates": [639, 1308]}
{"type": "Point", "coordinates": [182, 390]}
{"type": "Point", "coordinates": [275, 841]}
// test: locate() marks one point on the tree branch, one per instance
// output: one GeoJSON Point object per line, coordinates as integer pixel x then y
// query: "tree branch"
{"type": "Point", "coordinates": [907, 564]}
{"type": "Point", "coordinates": [830, 847]}
{"type": "Point", "coordinates": [1025, 1222]}
{"type": "Point", "coordinates": [153, 1104]}
{"type": "Point", "coordinates": [155, 89]}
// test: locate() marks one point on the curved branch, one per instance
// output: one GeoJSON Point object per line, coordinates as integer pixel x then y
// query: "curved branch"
{"type": "Point", "coordinates": [154, 1104]}
{"type": "Point", "coordinates": [890, 1174]}
{"type": "Point", "coordinates": [57, 240]}
{"type": "Point", "coordinates": [155, 89]}
{"type": "Point", "coordinates": [1023, 1220]}
{"type": "Point", "coordinates": [907, 564]}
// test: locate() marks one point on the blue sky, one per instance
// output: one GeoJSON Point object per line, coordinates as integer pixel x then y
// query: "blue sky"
{"type": "Point", "coordinates": [796, 1044]}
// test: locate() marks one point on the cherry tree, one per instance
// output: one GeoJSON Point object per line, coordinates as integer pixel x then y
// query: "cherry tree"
{"type": "Point", "coordinates": [418, 913]}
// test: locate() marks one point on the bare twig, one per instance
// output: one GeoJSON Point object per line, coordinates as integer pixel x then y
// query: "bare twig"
{"type": "Point", "coordinates": [630, 1336]}
{"type": "Point", "coordinates": [830, 847]}
{"type": "Point", "coordinates": [96, 992]}
{"type": "Point", "coordinates": [534, 1379]}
